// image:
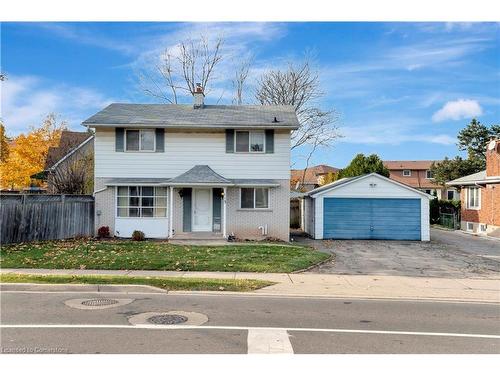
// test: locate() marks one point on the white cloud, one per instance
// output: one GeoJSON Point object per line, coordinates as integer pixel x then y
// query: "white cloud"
{"type": "Point", "coordinates": [27, 100]}
{"type": "Point", "coordinates": [457, 110]}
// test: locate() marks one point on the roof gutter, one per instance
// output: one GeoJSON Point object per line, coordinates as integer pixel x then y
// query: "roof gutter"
{"type": "Point", "coordinates": [189, 126]}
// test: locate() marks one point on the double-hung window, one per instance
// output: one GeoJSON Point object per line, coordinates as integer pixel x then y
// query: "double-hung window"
{"type": "Point", "coordinates": [429, 174]}
{"type": "Point", "coordinates": [254, 198]}
{"type": "Point", "coordinates": [406, 173]}
{"type": "Point", "coordinates": [249, 141]}
{"type": "Point", "coordinates": [473, 198]}
{"type": "Point", "coordinates": [139, 140]}
{"type": "Point", "coordinates": [141, 201]}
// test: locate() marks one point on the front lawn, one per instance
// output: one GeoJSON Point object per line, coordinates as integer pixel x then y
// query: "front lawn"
{"type": "Point", "coordinates": [156, 255]}
{"type": "Point", "coordinates": [168, 283]}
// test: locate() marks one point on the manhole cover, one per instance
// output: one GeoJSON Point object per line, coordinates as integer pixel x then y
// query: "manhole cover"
{"type": "Point", "coordinates": [100, 302]}
{"type": "Point", "coordinates": [167, 319]}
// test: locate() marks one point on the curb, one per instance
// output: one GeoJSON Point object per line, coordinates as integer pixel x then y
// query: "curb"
{"type": "Point", "coordinates": [96, 288]}
{"type": "Point", "coordinates": [132, 289]}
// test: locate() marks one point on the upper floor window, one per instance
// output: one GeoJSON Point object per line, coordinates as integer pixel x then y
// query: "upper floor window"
{"type": "Point", "coordinates": [249, 141]}
{"type": "Point", "coordinates": [473, 198]}
{"type": "Point", "coordinates": [141, 201]}
{"type": "Point", "coordinates": [140, 140]}
{"type": "Point", "coordinates": [406, 172]}
{"type": "Point", "coordinates": [429, 174]}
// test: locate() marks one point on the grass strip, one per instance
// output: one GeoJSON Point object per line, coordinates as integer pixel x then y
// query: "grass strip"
{"type": "Point", "coordinates": [167, 283]}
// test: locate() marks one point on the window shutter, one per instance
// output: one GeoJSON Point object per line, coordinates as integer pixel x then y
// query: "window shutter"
{"type": "Point", "coordinates": [119, 139]}
{"type": "Point", "coordinates": [160, 139]}
{"type": "Point", "coordinates": [269, 141]}
{"type": "Point", "coordinates": [229, 140]}
{"type": "Point", "coordinates": [186, 209]}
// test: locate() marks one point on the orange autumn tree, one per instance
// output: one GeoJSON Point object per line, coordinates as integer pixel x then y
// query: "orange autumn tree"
{"type": "Point", "coordinates": [27, 153]}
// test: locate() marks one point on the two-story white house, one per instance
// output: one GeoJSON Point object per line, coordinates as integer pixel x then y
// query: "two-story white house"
{"type": "Point", "coordinates": [172, 170]}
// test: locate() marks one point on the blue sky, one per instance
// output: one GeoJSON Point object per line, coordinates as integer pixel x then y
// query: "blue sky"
{"type": "Point", "coordinates": [401, 90]}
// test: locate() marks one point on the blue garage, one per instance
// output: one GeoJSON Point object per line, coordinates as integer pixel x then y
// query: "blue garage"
{"type": "Point", "coordinates": [369, 207]}
{"type": "Point", "coordinates": [371, 218]}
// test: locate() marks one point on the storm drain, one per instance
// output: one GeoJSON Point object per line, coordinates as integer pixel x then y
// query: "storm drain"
{"type": "Point", "coordinates": [97, 303]}
{"type": "Point", "coordinates": [100, 302]}
{"type": "Point", "coordinates": [168, 319]}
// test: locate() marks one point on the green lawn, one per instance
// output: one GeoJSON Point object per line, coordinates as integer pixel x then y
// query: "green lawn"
{"type": "Point", "coordinates": [156, 255]}
{"type": "Point", "coordinates": [168, 283]}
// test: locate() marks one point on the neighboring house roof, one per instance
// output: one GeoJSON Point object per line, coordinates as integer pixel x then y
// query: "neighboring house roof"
{"type": "Point", "coordinates": [409, 164]}
{"type": "Point", "coordinates": [475, 178]}
{"type": "Point", "coordinates": [312, 174]}
{"type": "Point", "coordinates": [200, 174]}
{"type": "Point", "coordinates": [67, 144]}
{"type": "Point", "coordinates": [333, 184]}
{"type": "Point", "coordinates": [210, 116]}
{"type": "Point", "coordinates": [416, 181]}
{"type": "Point", "coordinates": [348, 180]}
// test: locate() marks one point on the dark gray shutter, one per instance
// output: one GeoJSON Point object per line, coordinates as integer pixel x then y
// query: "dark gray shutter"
{"type": "Point", "coordinates": [229, 140]}
{"type": "Point", "coordinates": [119, 139]}
{"type": "Point", "coordinates": [186, 209]}
{"type": "Point", "coordinates": [160, 139]}
{"type": "Point", "coordinates": [217, 205]}
{"type": "Point", "coordinates": [269, 141]}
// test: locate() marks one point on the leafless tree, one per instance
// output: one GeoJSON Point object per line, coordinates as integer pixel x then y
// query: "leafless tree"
{"type": "Point", "coordinates": [299, 86]}
{"type": "Point", "coordinates": [192, 62]}
{"type": "Point", "coordinates": [239, 80]}
{"type": "Point", "coordinates": [72, 177]}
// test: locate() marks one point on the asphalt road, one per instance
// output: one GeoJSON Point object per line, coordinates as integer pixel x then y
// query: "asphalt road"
{"type": "Point", "coordinates": [42, 322]}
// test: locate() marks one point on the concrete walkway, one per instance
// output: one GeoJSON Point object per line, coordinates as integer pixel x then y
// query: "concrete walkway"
{"type": "Point", "coordinates": [319, 285]}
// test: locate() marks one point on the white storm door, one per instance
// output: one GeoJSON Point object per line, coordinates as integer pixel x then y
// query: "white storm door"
{"type": "Point", "coordinates": [202, 210]}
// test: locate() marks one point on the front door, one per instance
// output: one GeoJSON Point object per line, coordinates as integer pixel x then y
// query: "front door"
{"type": "Point", "coordinates": [202, 210]}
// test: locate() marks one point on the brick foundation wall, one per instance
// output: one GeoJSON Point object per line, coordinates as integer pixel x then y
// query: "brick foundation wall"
{"type": "Point", "coordinates": [104, 205]}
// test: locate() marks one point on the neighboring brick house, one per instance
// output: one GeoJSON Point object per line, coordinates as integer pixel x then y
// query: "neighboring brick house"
{"type": "Point", "coordinates": [480, 195]}
{"type": "Point", "coordinates": [417, 174]}
{"type": "Point", "coordinates": [193, 171]}
{"type": "Point", "coordinates": [311, 179]}
{"type": "Point", "coordinates": [74, 147]}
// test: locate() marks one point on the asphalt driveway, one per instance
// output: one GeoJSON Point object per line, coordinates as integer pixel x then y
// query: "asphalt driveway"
{"type": "Point", "coordinates": [449, 254]}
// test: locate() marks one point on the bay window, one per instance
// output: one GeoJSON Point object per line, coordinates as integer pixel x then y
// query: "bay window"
{"type": "Point", "coordinates": [141, 201]}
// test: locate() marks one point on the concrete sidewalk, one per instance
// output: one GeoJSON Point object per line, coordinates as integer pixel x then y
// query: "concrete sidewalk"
{"type": "Point", "coordinates": [317, 285]}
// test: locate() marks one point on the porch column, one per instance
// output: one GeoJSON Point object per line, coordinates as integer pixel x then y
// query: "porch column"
{"type": "Point", "coordinates": [224, 234]}
{"type": "Point", "coordinates": [170, 212]}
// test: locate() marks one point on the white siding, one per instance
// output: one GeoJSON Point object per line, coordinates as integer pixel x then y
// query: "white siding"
{"type": "Point", "coordinates": [185, 150]}
{"type": "Point", "coordinates": [382, 189]}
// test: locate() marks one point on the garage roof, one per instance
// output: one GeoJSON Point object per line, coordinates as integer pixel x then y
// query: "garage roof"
{"type": "Point", "coordinates": [348, 180]}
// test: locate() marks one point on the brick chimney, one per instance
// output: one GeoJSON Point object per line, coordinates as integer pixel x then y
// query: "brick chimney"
{"type": "Point", "coordinates": [493, 158]}
{"type": "Point", "coordinates": [198, 97]}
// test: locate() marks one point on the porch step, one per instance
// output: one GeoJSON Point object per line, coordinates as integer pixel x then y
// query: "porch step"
{"type": "Point", "coordinates": [198, 238]}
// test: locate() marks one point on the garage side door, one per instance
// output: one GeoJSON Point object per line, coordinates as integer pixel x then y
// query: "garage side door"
{"type": "Point", "coordinates": [373, 218]}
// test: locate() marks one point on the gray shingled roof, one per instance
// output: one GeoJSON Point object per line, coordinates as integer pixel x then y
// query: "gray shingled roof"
{"type": "Point", "coordinates": [470, 179]}
{"type": "Point", "coordinates": [200, 174]}
{"type": "Point", "coordinates": [177, 115]}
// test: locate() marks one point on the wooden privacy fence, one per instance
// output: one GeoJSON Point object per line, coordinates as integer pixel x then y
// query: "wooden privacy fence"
{"type": "Point", "coordinates": [45, 217]}
{"type": "Point", "coordinates": [295, 213]}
